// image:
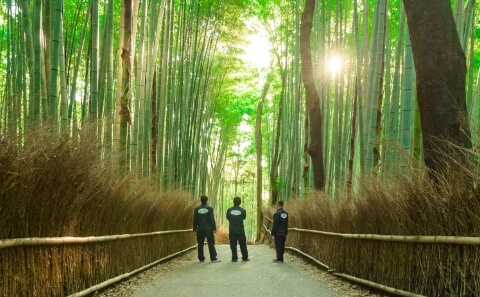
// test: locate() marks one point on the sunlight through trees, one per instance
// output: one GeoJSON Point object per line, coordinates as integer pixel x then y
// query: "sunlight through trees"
{"type": "Point", "coordinates": [170, 84]}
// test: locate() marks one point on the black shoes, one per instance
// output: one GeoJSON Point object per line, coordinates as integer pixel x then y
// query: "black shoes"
{"type": "Point", "coordinates": [243, 260]}
{"type": "Point", "coordinates": [277, 261]}
{"type": "Point", "coordinates": [216, 260]}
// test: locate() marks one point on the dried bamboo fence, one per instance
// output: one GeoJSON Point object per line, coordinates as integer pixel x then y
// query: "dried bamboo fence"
{"type": "Point", "coordinates": [61, 266]}
{"type": "Point", "coordinates": [426, 265]}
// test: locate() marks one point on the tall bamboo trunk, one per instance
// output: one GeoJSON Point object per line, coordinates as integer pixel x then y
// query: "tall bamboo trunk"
{"type": "Point", "coordinates": [315, 148]}
{"type": "Point", "coordinates": [125, 92]}
{"type": "Point", "coordinates": [258, 149]}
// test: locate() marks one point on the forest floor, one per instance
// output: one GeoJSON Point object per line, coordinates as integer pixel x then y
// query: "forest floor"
{"type": "Point", "coordinates": [184, 276]}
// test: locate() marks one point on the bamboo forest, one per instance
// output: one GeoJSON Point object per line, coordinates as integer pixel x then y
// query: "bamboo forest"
{"type": "Point", "coordinates": [171, 89]}
{"type": "Point", "coordinates": [362, 115]}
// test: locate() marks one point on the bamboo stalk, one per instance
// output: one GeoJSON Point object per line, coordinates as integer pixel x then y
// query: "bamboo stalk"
{"type": "Point", "coordinates": [121, 277]}
{"type": "Point", "coordinates": [308, 256]}
{"type": "Point", "coordinates": [397, 238]}
{"type": "Point", "coordinates": [266, 229]}
{"type": "Point", "coordinates": [8, 243]}
{"type": "Point", "coordinates": [400, 238]}
{"type": "Point", "coordinates": [357, 280]}
{"type": "Point", "coordinates": [374, 285]}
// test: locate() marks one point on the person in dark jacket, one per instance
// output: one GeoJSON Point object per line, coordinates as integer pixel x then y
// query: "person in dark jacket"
{"type": "Point", "coordinates": [279, 231]}
{"type": "Point", "coordinates": [204, 225]}
{"type": "Point", "coordinates": [235, 216]}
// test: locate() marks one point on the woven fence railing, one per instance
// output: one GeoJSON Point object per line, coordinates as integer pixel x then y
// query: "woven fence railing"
{"type": "Point", "coordinates": [78, 266]}
{"type": "Point", "coordinates": [396, 264]}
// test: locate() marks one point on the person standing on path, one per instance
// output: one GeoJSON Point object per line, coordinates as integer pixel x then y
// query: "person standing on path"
{"type": "Point", "coordinates": [235, 216]}
{"type": "Point", "coordinates": [279, 231]}
{"type": "Point", "coordinates": [204, 225]}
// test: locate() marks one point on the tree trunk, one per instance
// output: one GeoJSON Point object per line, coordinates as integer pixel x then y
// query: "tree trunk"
{"type": "Point", "coordinates": [276, 147]}
{"type": "Point", "coordinates": [315, 149]}
{"type": "Point", "coordinates": [351, 155]}
{"type": "Point", "coordinates": [441, 69]}
{"type": "Point", "coordinates": [124, 104]}
{"type": "Point", "coordinates": [258, 149]}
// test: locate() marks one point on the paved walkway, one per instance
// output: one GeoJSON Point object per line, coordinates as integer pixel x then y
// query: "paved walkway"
{"type": "Point", "coordinates": [258, 277]}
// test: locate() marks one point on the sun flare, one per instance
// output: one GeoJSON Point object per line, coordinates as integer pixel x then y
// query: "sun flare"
{"type": "Point", "coordinates": [334, 65]}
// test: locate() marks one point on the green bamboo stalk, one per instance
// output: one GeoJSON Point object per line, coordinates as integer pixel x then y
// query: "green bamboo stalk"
{"type": "Point", "coordinates": [407, 99]}
{"type": "Point", "coordinates": [94, 61]}
{"type": "Point", "coordinates": [162, 95]}
{"type": "Point", "coordinates": [375, 86]}
{"type": "Point", "coordinates": [392, 131]}
{"type": "Point", "coordinates": [136, 138]}
{"type": "Point", "coordinates": [35, 97]}
{"type": "Point", "coordinates": [25, 8]}
{"type": "Point", "coordinates": [109, 94]}
{"type": "Point", "coordinates": [78, 59]}
{"type": "Point", "coordinates": [63, 84]}
{"type": "Point", "coordinates": [117, 140]}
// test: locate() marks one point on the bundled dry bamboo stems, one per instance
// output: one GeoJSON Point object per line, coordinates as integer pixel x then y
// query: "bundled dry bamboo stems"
{"type": "Point", "coordinates": [367, 283]}
{"type": "Point", "coordinates": [377, 286]}
{"type": "Point", "coordinates": [124, 276]}
{"type": "Point", "coordinates": [70, 221]}
{"type": "Point", "coordinates": [438, 254]}
{"type": "Point", "coordinates": [63, 269]}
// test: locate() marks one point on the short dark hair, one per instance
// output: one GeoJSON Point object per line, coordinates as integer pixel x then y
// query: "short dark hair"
{"type": "Point", "coordinates": [237, 200]}
{"type": "Point", "coordinates": [204, 199]}
{"type": "Point", "coordinates": [280, 203]}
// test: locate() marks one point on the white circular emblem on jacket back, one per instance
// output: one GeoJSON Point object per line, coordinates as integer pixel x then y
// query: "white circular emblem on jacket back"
{"type": "Point", "coordinates": [283, 215]}
{"type": "Point", "coordinates": [203, 211]}
{"type": "Point", "coordinates": [235, 212]}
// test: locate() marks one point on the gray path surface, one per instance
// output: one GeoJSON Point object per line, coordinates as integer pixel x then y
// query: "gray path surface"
{"type": "Point", "coordinates": [258, 277]}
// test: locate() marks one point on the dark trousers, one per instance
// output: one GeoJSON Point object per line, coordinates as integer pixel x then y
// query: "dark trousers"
{"type": "Point", "coordinates": [280, 245]}
{"type": "Point", "coordinates": [201, 235]}
{"type": "Point", "coordinates": [242, 240]}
